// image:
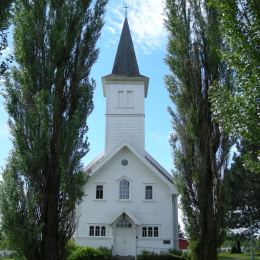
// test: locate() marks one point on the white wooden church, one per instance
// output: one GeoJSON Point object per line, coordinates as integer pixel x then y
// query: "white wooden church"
{"type": "Point", "coordinates": [131, 200]}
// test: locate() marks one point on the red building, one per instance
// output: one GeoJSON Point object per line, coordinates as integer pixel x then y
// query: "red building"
{"type": "Point", "coordinates": [183, 243]}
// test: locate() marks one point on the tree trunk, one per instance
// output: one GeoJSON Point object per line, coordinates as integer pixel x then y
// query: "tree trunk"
{"type": "Point", "coordinates": [207, 244]}
{"type": "Point", "coordinates": [238, 246]}
{"type": "Point", "coordinates": [51, 243]}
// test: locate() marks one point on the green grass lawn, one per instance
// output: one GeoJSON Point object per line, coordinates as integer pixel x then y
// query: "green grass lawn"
{"type": "Point", "coordinates": [245, 256]}
{"type": "Point", "coordinates": [222, 256]}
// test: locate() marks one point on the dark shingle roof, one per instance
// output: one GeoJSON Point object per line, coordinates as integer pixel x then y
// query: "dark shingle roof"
{"type": "Point", "coordinates": [125, 63]}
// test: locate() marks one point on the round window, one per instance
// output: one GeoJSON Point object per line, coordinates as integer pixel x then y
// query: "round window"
{"type": "Point", "coordinates": [124, 162]}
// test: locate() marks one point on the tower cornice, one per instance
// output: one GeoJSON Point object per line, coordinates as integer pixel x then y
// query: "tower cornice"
{"type": "Point", "coordinates": [118, 79]}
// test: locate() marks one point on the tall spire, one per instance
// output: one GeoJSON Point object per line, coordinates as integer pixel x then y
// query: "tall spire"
{"type": "Point", "coordinates": [125, 63]}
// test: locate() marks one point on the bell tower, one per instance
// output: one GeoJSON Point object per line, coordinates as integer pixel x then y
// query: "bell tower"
{"type": "Point", "coordinates": [125, 90]}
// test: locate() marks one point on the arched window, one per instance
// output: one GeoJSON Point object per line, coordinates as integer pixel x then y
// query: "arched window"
{"type": "Point", "coordinates": [149, 192]}
{"type": "Point", "coordinates": [124, 189]}
{"type": "Point", "coordinates": [99, 192]}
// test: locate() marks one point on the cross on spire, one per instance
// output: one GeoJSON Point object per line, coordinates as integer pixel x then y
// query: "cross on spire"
{"type": "Point", "coordinates": [126, 7]}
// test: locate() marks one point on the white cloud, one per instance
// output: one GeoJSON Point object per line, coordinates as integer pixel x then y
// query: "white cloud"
{"type": "Point", "coordinates": [111, 29]}
{"type": "Point", "coordinates": [146, 21]}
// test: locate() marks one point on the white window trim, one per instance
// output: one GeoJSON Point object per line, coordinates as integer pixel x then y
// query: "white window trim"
{"type": "Point", "coordinates": [104, 191]}
{"type": "Point", "coordinates": [152, 237]}
{"type": "Point", "coordinates": [124, 102]}
{"type": "Point", "coordinates": [121, 103]}
{"type": "Point", "coordinates": [130, 106]}
{"type": "Point", "coordinates": [100, 227]}
{"type": "Point", "coordinates": [130, 188]}
{"type": "Point", "coordinates": [153, 190]}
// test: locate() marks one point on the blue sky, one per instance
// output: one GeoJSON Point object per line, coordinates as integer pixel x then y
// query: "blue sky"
{"type": "Point", "coordinates": [150, 40]}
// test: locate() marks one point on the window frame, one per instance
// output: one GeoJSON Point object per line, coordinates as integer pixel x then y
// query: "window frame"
{"type": "Point", "coordinates": [121, 99]}
{"type": "Point", "coordinates": [91, 231]}
{"type": "Point", "coordinates": [129, 99]}
{"type": "Point", "coordinates": [148, 193]}
{"type": "Point", "coordinates": [157, 231]}
{"type": "Point", "coordinates": [124, 189]}
{"type": "Point", "coordinates": [99, 192]}
{"type": "Point", "coordinates": [125, 98]}
{"type": "Point", "coordinates": [97, 231]}
{"type": "Point", "coordinates": [129, 189]}
{"type": "Point", "coordinates": [103, 231]}
{"type": "Point", "coordinates": [104, 191]}
{"type": "Point", "coordinates": [150, 231]}
{"type": "Point", "coordinates": [153, 192]}
{"type": "Point", "coordinates": [144, 231]}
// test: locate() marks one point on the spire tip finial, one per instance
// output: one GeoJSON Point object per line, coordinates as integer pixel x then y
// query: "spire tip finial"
{"type": "Point", "coordinates": [126, 7]}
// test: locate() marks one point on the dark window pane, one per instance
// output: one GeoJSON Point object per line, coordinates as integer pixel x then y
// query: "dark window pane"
{"type": "Point", "coordinates": [97, 231]}
{"type": "Point", "coordinates": [148, 192]}
{"type": "Point", "coordinates": [103, 231]}
{"type": "Point", "coordinates": [144, 232]}
{"type": "Point", "coordinates": [167, 242]}
{"type": "Point", "coordinates": [155, 232]}
{"type": "Point", "coordinates": [150, 232]}
{"type": "Point", "coordinates": [91, 231]}
{"type": "Point", "coordinates": [99, 192]}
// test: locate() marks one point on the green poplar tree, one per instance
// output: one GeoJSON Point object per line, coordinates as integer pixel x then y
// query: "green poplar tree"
{"type": "Point", "coordinates": [5, 6]}
{"type": "Point", "coordinates": [48, 98]}
{"type": "Point", "coordinates": [237, 109]}
{"type": "Point", "coordinates": [200, 149]}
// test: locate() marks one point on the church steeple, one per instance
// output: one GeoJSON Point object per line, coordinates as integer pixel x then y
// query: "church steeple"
{"type": "Point", "coordinates": [125, 90]}
{"type": "Point", "coordinates": [125, 63]}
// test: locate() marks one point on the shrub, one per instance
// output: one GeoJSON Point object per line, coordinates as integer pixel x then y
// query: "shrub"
{"type": "Point", "coordinates": [166, 255]}
{"type": "Point", "coordinates": [175, 252]}
{"type": "Point", "coordinates": [70, 247]}
{"type": "Point", "coordinates": [234, 250]}
{"type": "Point", "coordinates": [89, 253]}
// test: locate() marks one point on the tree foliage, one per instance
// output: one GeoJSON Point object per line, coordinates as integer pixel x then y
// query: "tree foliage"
{"type": "Point", "coordinates": [237, 108]}
{"type": "Point", "coordinates": [48, 98]}
{"type": "Point", "coordinates": [5, 6]}
{"type": "Point", "coordinates": [200, 148]}
{"type": "Point", "coordinates": [243, 198]}
{"type": "Point", "coordinates": [243, 193]}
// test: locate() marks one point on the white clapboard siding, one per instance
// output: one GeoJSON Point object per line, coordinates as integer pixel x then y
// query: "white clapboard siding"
{"type": "Point", "coordinates": [158, 212]}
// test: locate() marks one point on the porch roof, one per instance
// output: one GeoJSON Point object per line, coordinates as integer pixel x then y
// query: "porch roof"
{"type": "Point", "coordinates": [127, 213]}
